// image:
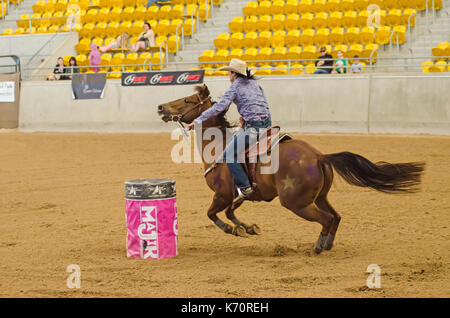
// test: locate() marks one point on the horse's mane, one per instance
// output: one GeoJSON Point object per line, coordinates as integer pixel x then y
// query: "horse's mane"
{"type": "Point", "coordinates": [223, 121]}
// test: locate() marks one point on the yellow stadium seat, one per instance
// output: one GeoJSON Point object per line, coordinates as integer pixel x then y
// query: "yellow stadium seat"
{"type": "Point", "coordinates": [36, 23]}
{"type": "Point", "coordinates": [349, 19]}
{"type": "Point", "coordinates": [309, 52]}
{"type": "Point", "coordinates": [250, 23]}
{"type": "Point", "coordinates": [250, 55]}
{"type": "Point", "coordinates": [39, 7]}
{"type": "Point", "coordinates": [206, 58]}
{"type": "Point", "coordinates": [367, 35]}
{"type": "Point", "coordinates": [320, 20]}
{"type": "Point", "coordinates": [278, 22]}
{"type": "Point", "coordinates": [264, 69]}
{"type": "Point", "coordinates": [305, 21]}
{"type": "Point", "coordinates": [117, 59]}
{"type": "Point", "coordinates": [172, 42]}
{"type": "Point", "coordinates": [108, 40]}
{"type": "Point", "coordinates": [347, 5]}
{"type": "Point", "coordinates": [352, 36]}
{"type": "Point", "coordinates": [236, 25]}
{"type": "Point", "coordinates": [263, 8]}
{"type": "Point", "coordinates": [281, 69]}
{"type": "Point", "coordinates": [153, 13]}
{"type": "Point", "coordinates": [296, 69]}
{"type": "Point", "coordinates": [162, 28]}
{"type": "Point", "coordinates": [136, 28]}
{"type": "Point", "coordinates": [236, 40]}
{"type": "Point", "coordinates": [382, 35]}
{"type": "Point", "coordinates": [292, 38]}
{"type": "Point", "coordinates": [264, 54]}
{"type": "Point", "coordinates": [321, 37]}
{"type": "Point", "coordinates": [50, 6]}
{"type": "Point", "coordinates": [401, 31]}
{"type": "Point", "coordinates": [140, 13]}
{"type": "Point", "coordinates": [53, 29]}
{"type": "Point", "coordinates": [204, 12]}
{"type": "Point", "coordinates": [264, 22]}
{"type": "Point", "coordinates": [189, 26]}
{"type": "Point", "coordinates": [333, 5]}
{"type": "Point", "coordinates": [24, 21]}
{"type": "Point", "coordinates": [222, 56]}
{"type": "Point", "coordinates": [236, 54]}
{"type": "Point", "coordinates": [294, 53]}
{"type": "Point", "coordinates": [441, 66]}
{"type": "Point", "coordinates": [43, 29]}
{"type": "Point", "coordinates": [291, 22]}
{"type": "Point", "coordinates": [174, 24]}
{"type": "Point", "coordinates": [406, 17]}
{"type": "Point", "coordinates": [304, 6]}
{"type": "Point", "coordinates": [87, 31]}
{"type": "Point", "coordinates": [442, 49]}
{"type": "Point", "coordinates": [115, 14]}
{"type": "Point", "coordinates": [277, 7]}
{"type": "Point", "coordinates": [82, 47]}
{"type": "Point", "coordinates": [355, 49]}
{"type": "Point", "coordinates": [335, 19]}
{"type": "Point", "coordinates": [164, 12]}
{"type": "Point", "coordinates": [264, 39]}
{"type": "Point", "coordinates": [144, 59]}
{"type": "Point", "coordinates": [318, 6]}
{"type": "Point", "coordinates": [177, 11]}
{"type": "Point", "coordinates": [105, 61]}
{"type": "Point", "coordinates": [8, 31]}
{"type": "Point", "coordinates": [127, 14]}
{"type": "Point", "coordinates": [426, 66]}
{"type": "Point", "coordinates": [90, 17]}
{"type": "Point", "coordinates": [250, 39]}
{"type": "Point", "coordinates": [336, 36]}
{"type": "Point", "coordinates": [362, 19]}
{"type": "Point", "coordinates": [360, 5]}
{"type": "Point", "coordinates": [98, 41]}
{"type": "Point", "coordinates": [125, 26]}
{"type": "Point", "coordinates": [220, 73]}
{"type": "Point", "coordinates": [278, 38]}
{"type": "Point", "coordinates": [62, 19]}
{"type": "Point", "coordinates": [82, 60]}
{"type": "Point", "coordinates": [160, 39]}
{"type": "Point", "coordinates": [113, 29]}
{"type": "Point", "coordinates": [291, 7]}
{"type": "Point", "coordinates": [19, 31]}
{"type": "Point", "coordinates": [279, 53]}
{"type": "Point", "coordinates": [341, 47]}
{"type": "Point", "coordinates": [222, 41]}
{"type": "Point", "coordinates": [307, 37]}
{"type": "Point", "coordinates": [102, 15]}
{"type": "Point", "coordinates": [251, 8]}
{"type": "Point", "coordinates": [368, 50]}
{"type": "Point", "coordinates": [394, 17]}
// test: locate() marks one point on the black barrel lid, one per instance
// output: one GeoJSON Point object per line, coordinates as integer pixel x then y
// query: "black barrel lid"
{"type": "Point", "coordinates": [148, 189]}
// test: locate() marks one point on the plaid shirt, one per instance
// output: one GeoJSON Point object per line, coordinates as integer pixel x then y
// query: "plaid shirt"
{"type": "Point", "coordinates": [248, 97]}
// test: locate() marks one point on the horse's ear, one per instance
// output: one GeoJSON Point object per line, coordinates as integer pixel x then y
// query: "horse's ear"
{"type": "Point", "coordinates": [205, 91]}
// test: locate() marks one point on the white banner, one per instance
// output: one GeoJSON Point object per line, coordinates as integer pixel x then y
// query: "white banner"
{"type": "Point", "coordinates": [7, 92]}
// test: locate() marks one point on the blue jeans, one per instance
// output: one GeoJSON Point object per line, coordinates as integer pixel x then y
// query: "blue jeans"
{"type": "Point", "coordinates": [234, 153]}
{"type": "Point", "coordinates": [150, 2]}
{"type": "Point", "coordinates": [320, 71]}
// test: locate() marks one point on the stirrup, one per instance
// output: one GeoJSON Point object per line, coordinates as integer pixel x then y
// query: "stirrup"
{"type": "Point", "coordinates": [243, 195]}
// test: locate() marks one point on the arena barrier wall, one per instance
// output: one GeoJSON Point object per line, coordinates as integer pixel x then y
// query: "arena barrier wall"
{"type": "Point", "coordinates": [9, 110]}
{"type": "Point", "coordinates": [368, 103]}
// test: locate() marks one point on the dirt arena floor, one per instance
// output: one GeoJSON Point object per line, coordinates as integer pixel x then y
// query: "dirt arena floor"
{"type": "Point", "coordinates": [62, 202]}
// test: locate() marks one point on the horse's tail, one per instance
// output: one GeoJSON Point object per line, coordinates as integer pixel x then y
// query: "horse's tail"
{"type": "Point", "coordinates": [381, 176]}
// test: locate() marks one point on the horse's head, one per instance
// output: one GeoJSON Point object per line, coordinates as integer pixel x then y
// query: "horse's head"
{"type": "Point", "coordinates": [188, 108]}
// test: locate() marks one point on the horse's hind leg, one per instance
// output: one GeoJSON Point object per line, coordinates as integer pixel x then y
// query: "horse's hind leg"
{"type": "Point", "coordinates": [219, 204]}
{"type": "Point", "coordinates": [314, 214]}
{"type": "Point", "coordinates": [250, 229]}
{"type": "Point", "coordinates": [322, 202]}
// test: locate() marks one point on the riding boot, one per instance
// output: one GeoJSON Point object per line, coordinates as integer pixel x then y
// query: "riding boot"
{"type": "Point", "coordinates": [245, 194]}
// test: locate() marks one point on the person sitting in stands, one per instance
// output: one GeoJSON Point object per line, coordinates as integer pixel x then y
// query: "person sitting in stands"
{"type": "Point", "coordinates": [122, 42]}
{"type": "Point", "coordinates": [72, 68]}
{"type": "Point", "coordinates": [145, 40]}
{"type": "Point", "coordinates": [356, 66]}
{"type": "Point", "coordinates": [340, 64]}
{"type": "Point", "coordinates": [325, 62]}
{"type": "Point", "coordinates": [58, 71]}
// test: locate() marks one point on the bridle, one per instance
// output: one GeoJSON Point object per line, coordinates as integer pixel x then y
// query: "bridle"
{"type": "Point", "coordinates": [178, 118]}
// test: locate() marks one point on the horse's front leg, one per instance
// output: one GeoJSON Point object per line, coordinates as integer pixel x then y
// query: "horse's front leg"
{"type": "Point", "coordinates": [219, 204]}
{"type": "Point", "coordinates": [241, 228]}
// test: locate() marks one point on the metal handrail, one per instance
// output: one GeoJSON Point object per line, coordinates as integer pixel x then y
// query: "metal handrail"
{"type": "Point", "coordinates": [16, 60]}
{"type": "Point", "coordinates": [182, 37]}
{"type": "Point", "coordinates": [409, 28]}
{"type": "Point", "coordinates": [390, 43]}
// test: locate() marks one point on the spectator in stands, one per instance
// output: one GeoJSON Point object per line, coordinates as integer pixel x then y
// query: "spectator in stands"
{"type": "Point", "coordinates": [356, 66]}
{"type": "Point", "coordinates": [325, 62]}
{"type": "Point", "coordinates": [145, 40]}
{"type": "Point", "coordinates": [58, 70]}
{"type": "Point", "coordinates": [72, 68]}
{"type": "Point", "coordinates": [340, 64]}
{"type": "Point", "coordinates": [95, 57]}
{"type": "Point", "coordinates": [122, 42]}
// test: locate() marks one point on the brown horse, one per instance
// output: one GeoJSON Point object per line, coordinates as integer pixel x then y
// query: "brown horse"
{"type": "Point", "coordinates": [303, 179]}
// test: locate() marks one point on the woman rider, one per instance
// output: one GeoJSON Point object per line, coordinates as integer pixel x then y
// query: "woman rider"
{"type": "Point", "coordinates": [252, 105]}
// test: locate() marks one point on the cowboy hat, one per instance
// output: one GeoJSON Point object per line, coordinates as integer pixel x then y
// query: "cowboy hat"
{"type": "Point", "coordinates": [237, 66]}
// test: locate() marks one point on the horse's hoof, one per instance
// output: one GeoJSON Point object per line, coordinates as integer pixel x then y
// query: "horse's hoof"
{"type": "Point", "coordinates": [253, 229]}
{"type": "Point", "coordinates": [317, 250]}
{"type": "Point", "coordinates": [328, 247]}
{"type": "Point", "coordinates": [239, 230]}
{"type": "Point", "coordinates": [228, 229]}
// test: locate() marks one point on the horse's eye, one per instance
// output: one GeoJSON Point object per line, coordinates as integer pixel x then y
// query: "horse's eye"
{"type": "Point", "coordinates": [186, 101]}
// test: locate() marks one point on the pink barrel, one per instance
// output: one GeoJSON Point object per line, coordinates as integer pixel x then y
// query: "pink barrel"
{"type": "Point", "coordinates": [151, 216]}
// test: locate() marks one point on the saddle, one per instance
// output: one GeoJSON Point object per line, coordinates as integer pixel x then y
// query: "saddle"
{"type": "Point", "coordinates": [268, 139]}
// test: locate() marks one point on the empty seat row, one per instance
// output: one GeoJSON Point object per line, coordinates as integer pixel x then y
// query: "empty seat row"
{"type": "Point", "coordinates": [432, 67]}
{"type": "Point", "coordinates": [442, 50]}
{"type": "Point", "coordinates": [320, 20]}
{"type": "Point", "coordinates": [336, 36]}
